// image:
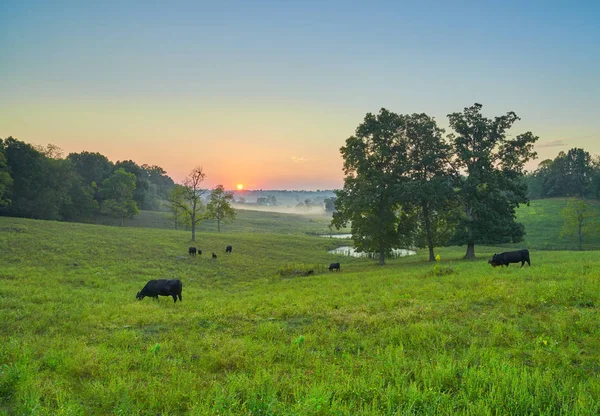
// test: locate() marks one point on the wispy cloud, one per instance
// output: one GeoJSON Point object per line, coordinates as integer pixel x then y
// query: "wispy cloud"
{"type": "Point", "coordinates": [553, 143]}
{"type": "Point", "coordinates": [302, 159]}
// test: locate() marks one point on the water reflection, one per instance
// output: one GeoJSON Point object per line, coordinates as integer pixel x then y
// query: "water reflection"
{"type": "Point", "coordinates": [351, 252]}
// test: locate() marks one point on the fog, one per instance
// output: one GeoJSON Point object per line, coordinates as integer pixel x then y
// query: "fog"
{"type": "Point", "coordinates": [315, 211]}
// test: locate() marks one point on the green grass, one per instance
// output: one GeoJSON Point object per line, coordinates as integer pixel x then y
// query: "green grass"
{"type": "Point", "coordinates": [543, 224]}
{"type": "Point", "coordinates": [247, 221]}
{"type": "Point", "coordinates": [250, 338]}
{"type": "Point", "coordinates": [542, 221]}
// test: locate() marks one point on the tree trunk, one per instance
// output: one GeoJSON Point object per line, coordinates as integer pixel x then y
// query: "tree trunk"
{"type": "Point", "coordinates": [470, 251]}
{"type": "Point", "coordinates": [193, 226]}
{"type": "Point", "coordinates": [471, 238]}
{"type": "Point", "coordinates": [381, 256]}
{"type": "Point", "coordinates": [428, 231]}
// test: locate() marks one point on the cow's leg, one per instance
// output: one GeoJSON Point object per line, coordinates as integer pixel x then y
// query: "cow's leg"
{"type": "Point", "coordinates": [174, 298]}
{"type": "Point", "coordinates": [179, 297]}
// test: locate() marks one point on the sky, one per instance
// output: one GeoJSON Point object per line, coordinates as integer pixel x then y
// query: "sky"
{"type": "Point", "coordinates": [264, 93]}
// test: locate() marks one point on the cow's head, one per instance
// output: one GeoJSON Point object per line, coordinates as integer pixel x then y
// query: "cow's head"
{"type": "Point", "coordinates": [493, 261]}
{"type": "Point", "coordinates": [139, 296]}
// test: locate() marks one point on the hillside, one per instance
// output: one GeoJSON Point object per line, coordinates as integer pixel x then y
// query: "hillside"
{"type": "Point", "coordinates": [543, 224]}
{"type": "Point", "coordinates": [542, 221]}
{"type": "Point", "coordinates": [458, 337]}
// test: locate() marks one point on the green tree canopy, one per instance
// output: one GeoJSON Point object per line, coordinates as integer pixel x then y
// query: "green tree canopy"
{"type": "Point", "coordinates": [192, 194]}
{"type": "Point", "coordinates": [40, 185]}
{"type": "Point", "coordinates": [580, 220]}
{"type": "Point", "coordinates": [117, 193]}
{"type": "Point", "coordinates": [428, 193]}
{"type": "Point", "coordinates": [5, 178]}
{"type": "Point", "coordinates": [92, 167]}
{"type": "Point", "coordinates": [219, 206]}
{"type": "Point", "coordinates": [374, 160]}
{"type": "Point", "coordinates": [489, 176]}
{"type": "Point", "coordinates": [177, 205]}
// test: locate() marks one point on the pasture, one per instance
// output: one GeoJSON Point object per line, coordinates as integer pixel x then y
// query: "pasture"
{"type": "Point", "coordinates": [250, 337]}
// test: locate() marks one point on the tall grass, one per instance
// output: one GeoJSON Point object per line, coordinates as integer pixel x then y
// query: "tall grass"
{"type": "Point", "coordinates": [398, 339]}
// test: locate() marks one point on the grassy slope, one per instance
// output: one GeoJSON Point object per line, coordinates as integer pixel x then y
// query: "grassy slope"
{"type": "Point", "coordinates": [541, 218]}
{"type": "Point", "coordinates": [247, 221]}
{"type": "Point", "coordinates": [543, 224]}
{"type": "Point", "coordinates": [369, 340]}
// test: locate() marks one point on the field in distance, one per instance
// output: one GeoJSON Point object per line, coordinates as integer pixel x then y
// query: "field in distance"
{"type": "Point", "coordinates": [250, 337]}
{"type": "Point", "coordinates": [542, 221]}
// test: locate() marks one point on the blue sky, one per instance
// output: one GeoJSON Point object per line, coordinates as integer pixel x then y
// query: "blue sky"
{"type": "Point", "coordinates": [266, 92]}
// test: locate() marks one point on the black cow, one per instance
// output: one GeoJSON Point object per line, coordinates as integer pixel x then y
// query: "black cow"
{"type": "Point", "coordinates": [162, 287]}
{"type": "Point", "coordinates": [199, 252]}
{"type": "Point", "coordinates": [192, 251]}
{"type": "Point", "coordinates": [228, 249]}
{"type": "Point", "coordinates": [214, 256]}
{"type": "Point", "coordinates": [504, 259]}
{"type": "Point", "coordinates": [334, 266]}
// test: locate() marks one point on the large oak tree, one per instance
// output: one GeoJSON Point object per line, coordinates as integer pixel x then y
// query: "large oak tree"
{"type": "Point", "coordinates": [374, 160]}
{"type": "Point", "coordinates": [489, 176]}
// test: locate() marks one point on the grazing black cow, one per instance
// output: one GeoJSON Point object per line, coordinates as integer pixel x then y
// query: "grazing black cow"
{"type": "Point", "coordinates": [228, 249]}
{"type": "Point", "coordinates": [192, 251]}
{"type": "Point", "coordinates": [334, 266]}
{"type": "Point", "coordinates": [214, 256]}
{"type": "Point", "coordinates": [504, 259]}
{"type": "Point", "coordinates": [162, 287]}
{"type": "Point", "coordinates": [493, 262]}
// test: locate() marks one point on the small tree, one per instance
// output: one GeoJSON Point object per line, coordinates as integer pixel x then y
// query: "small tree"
{"type": "Point", "coordinates": [176, 204]}
{"type": "Point", "coordinates": [117, 195]}
{"type": "Point", "coordinates": [219, 207]}
{"type": "Point", "coordinates": [580, 220]}
{"type": "Point", "coordinates": [192, 195]}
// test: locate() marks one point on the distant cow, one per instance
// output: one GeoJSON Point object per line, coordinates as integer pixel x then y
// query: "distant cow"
{"type": "Point", "coordinates": [192, 251]}
{"type": "Point", "coordinates": [199, 252]}
{"type": "Point", "coordinates": [504, 259]}
{"type": "Point", "coordinates": [214, 256]}
{"type": "Point", "coordinates": [228, 249]}
{"type": "Point", "coordinates": [334, 266]}
{"type": "Point", "coordinates": [162, 287]}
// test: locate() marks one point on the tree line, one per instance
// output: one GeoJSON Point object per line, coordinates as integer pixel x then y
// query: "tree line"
{"type": "Point", "coordinates": [407, 184]}
{"type": "Point", "coordinates": [38, 182]}
{"type": "Point", "coordinates": [572, 174]}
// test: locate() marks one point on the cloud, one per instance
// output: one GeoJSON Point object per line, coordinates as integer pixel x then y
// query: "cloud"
{"type": "Point", "coordinates": [553, 143]}
{"type": "Point", "coordinates": [301, 159]}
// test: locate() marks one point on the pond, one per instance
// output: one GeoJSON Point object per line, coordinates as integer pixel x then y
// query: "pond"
{"type": "Point", "coordinates": [336, 235]}
{"type": "Point", "coordinates": [351, 252]}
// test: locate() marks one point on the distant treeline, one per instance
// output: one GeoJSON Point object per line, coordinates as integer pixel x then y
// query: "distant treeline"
{"type": "Point", "coordinates": [572, 174]}
{"type": "Point", "coordinates": [37, 182]}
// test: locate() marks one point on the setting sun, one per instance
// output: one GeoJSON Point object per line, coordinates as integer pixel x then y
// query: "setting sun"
{"type": "Point", "coordinates": [240, 186]}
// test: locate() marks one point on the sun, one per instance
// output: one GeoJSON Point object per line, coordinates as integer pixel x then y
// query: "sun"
{"type": "Point", "coordinates": [240, 186]}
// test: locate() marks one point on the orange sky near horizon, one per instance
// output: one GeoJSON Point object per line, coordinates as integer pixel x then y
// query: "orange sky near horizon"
{"type": "Point", "coordinates": [260, 146]}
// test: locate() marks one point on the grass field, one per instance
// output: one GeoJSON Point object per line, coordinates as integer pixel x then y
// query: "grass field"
{"type": "Point", "coordinates": [541, 218]}
{"type": "Point", "coordinates": [543, 223]}
{"type": "Point", "coordinates": [250, 337]}
{"type": "Point", "coordinates": [247, 221]}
